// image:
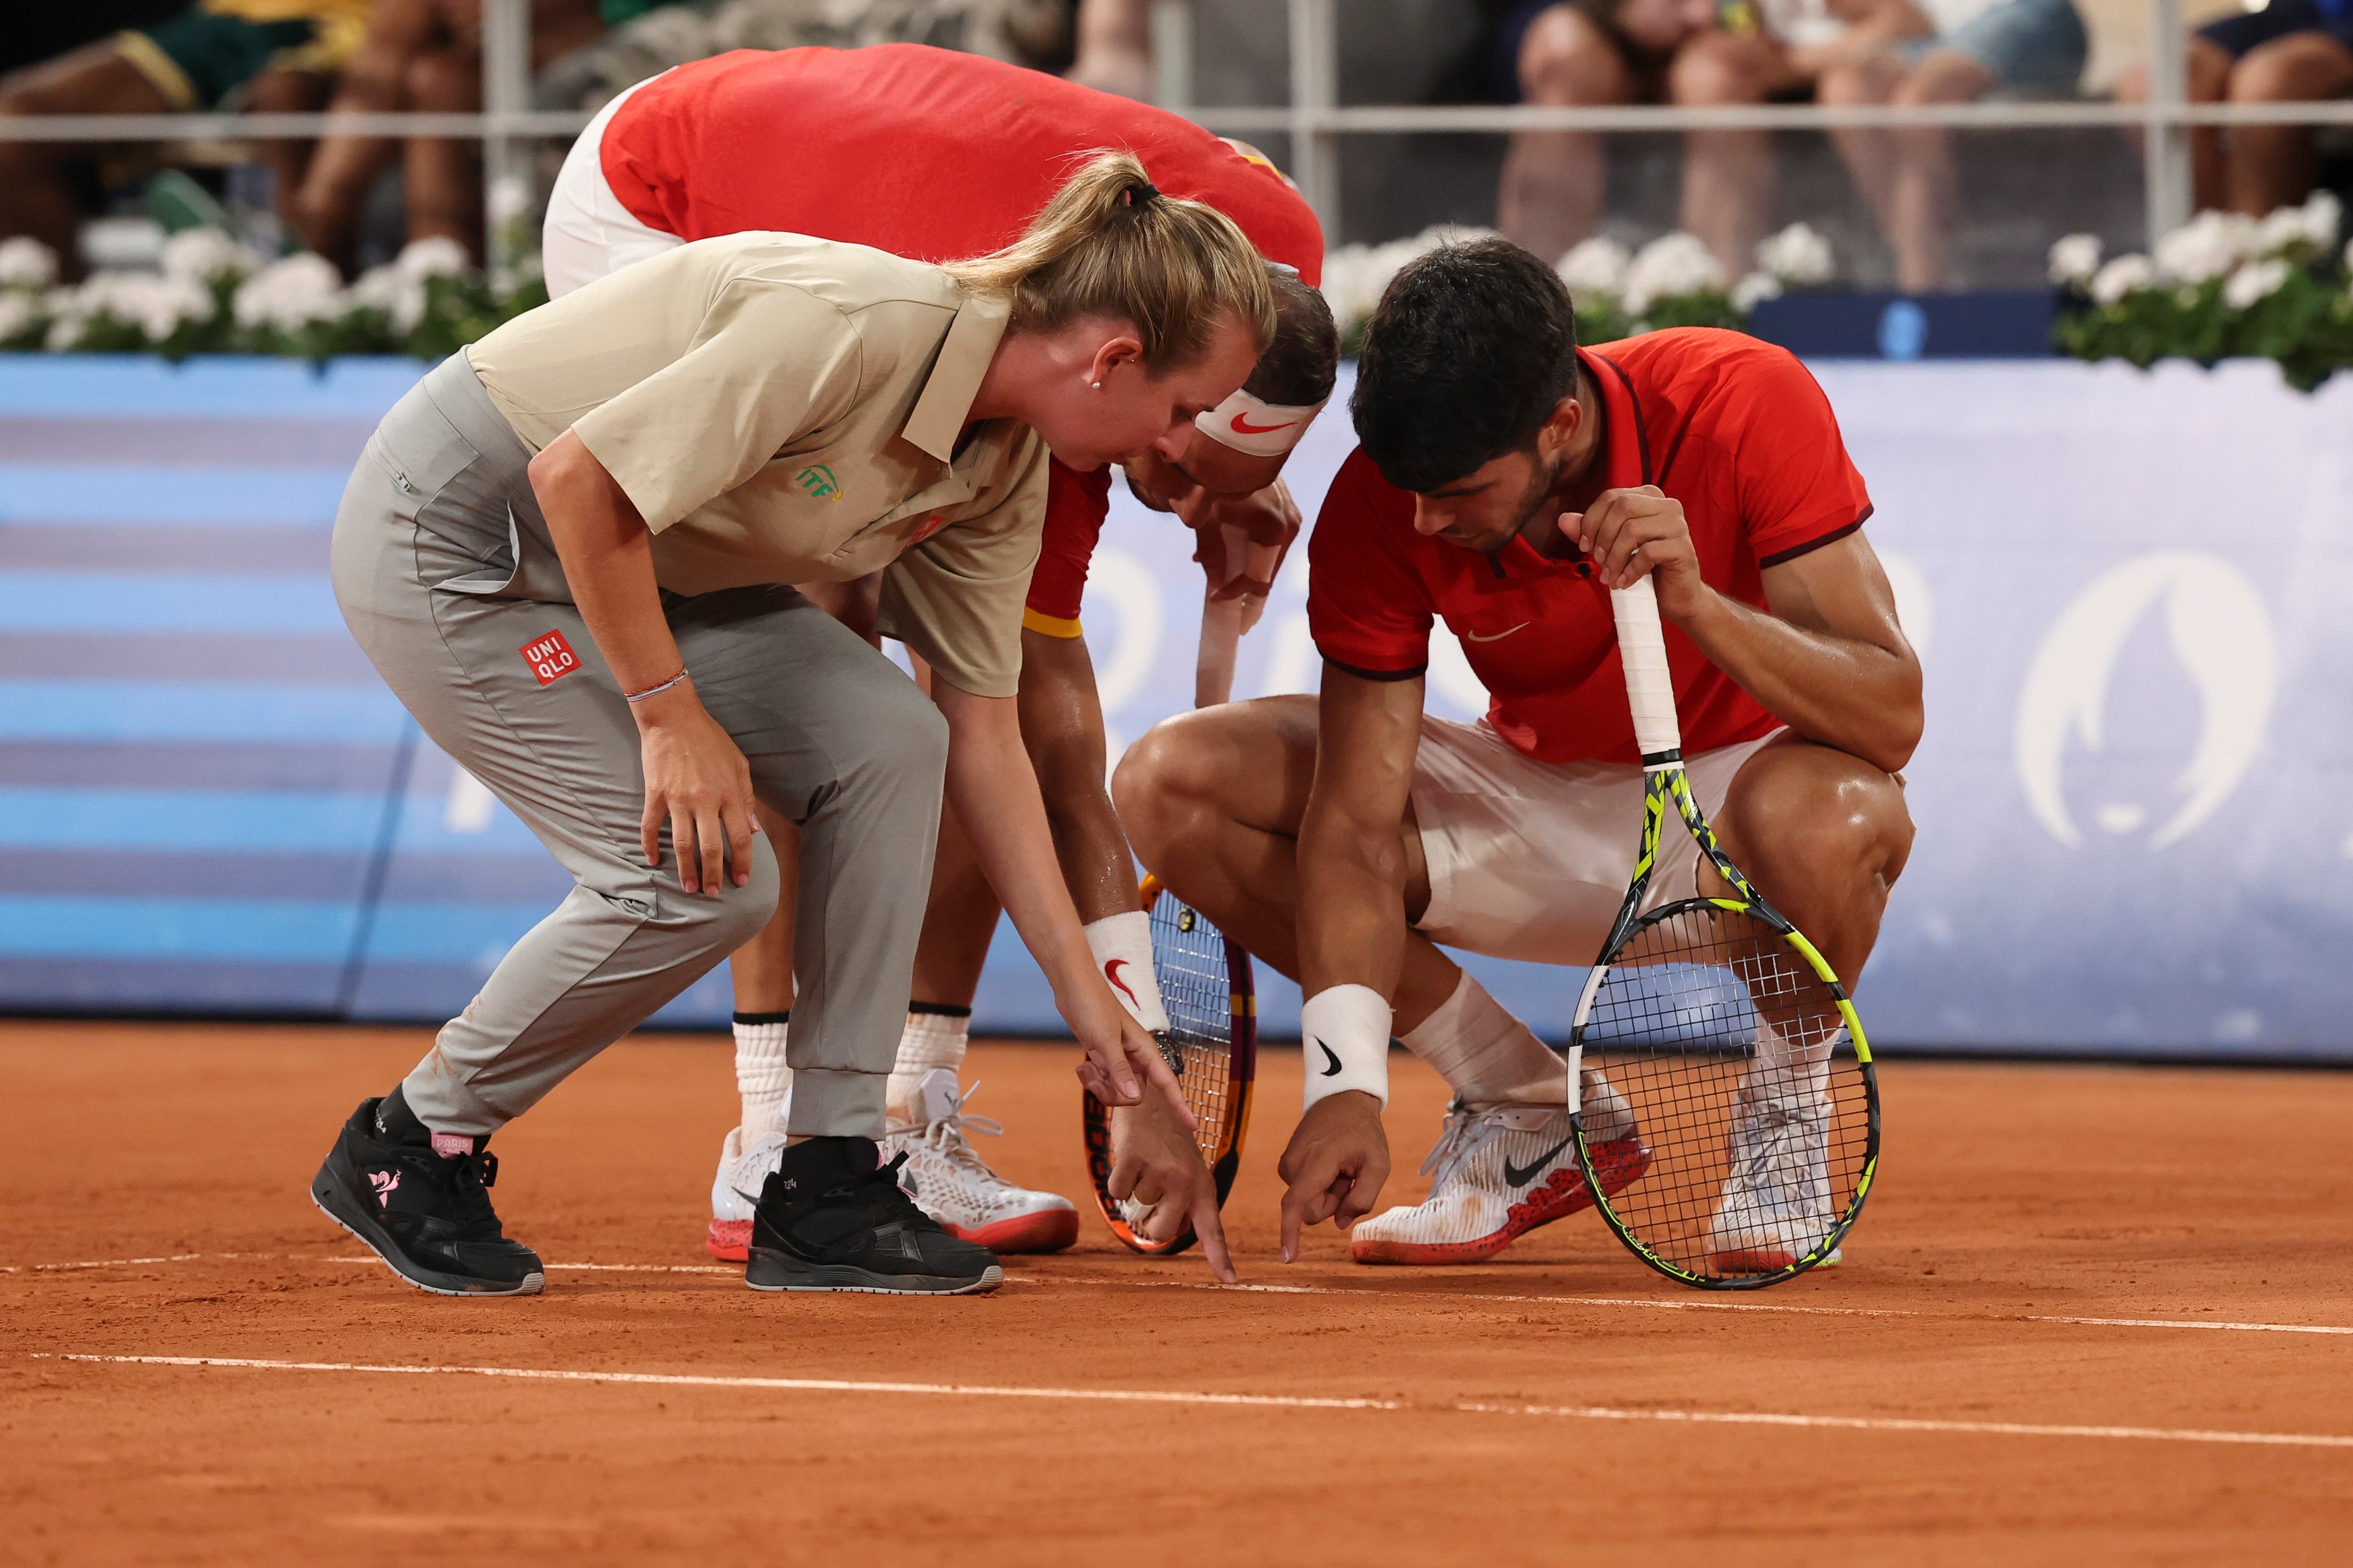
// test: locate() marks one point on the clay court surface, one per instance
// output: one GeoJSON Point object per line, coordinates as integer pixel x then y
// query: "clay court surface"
{"type": "Point", "coordinates": [1946, 1396]}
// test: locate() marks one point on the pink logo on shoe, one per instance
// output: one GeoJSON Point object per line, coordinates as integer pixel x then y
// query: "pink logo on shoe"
{"type": "Point", "coordinates": [384, 1182]}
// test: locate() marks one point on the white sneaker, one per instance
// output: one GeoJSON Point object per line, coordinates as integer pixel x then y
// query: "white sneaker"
{"type": "Point", "coordinates": [1499, 1171]}
{"type": "Point", "coordinates": [742, 1174]}
{"type": "Point", "coordinates": [1777, 1199]}
{"type": "Point", "coordinates": [950, 1183]}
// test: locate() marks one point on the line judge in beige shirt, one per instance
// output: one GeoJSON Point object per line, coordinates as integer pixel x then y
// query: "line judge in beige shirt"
{"type": "Point", "coordinates": [563, 552]}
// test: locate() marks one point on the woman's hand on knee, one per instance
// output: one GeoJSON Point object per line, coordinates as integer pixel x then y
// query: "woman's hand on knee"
{"type": "Point", "coordinates": [698, 782]}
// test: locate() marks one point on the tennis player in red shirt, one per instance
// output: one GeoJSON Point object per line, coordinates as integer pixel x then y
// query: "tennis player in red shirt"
{"type": "Point", "coordinates": [1506, 480]}
{"type": "Point", "coordinates": [935, 154]}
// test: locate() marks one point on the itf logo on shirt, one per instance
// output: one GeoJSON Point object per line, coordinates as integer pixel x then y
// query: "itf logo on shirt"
{"type": "Point", "coordinates": [818, 481]}
{"type": "Point", "coordinates": [551, 657]}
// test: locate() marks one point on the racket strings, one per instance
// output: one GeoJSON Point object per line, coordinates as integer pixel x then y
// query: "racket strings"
{"type": "Point", "coordinates": [1745, 1089]}
{"type": "Point", "coordinates": [1196, 991]}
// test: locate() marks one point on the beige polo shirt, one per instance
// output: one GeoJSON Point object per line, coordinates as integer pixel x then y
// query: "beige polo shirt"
{"type": "Point", "coordinates": [784, 409]}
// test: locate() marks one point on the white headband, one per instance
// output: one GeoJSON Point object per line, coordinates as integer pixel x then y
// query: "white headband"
{"type": "Point", "coordinates": [1261, 429]}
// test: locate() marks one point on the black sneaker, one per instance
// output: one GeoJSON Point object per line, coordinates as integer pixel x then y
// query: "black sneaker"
{"type": "Point", "coordinates": [425, 1214]}
{"type": "Point", "coordinates": [831, 1218]}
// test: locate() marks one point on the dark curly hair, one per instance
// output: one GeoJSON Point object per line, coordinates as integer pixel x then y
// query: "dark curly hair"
{"type": "Point", "coordinates": [1469, 351]}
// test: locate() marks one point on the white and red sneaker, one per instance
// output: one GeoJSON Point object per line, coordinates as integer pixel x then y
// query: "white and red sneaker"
{"type": "Point", "coordinates": [950, 1183]}
{"type": "Point", "coordinates": [1499, 1171]}
{"type": "Point", "coordinates": [1776, 1204]}
{"type": "Point", "coordinates": [736, 1188]}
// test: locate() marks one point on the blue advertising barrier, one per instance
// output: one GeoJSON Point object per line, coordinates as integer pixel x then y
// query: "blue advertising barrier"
{"type": "Point", "coordinates": [2131, 592]}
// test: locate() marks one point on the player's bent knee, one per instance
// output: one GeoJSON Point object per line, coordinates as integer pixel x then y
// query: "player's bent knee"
{"type": "Point", "coordinates": [1155, 771]}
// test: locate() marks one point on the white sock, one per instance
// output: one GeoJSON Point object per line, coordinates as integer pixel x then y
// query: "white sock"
{"type": "Point", "coordinates": [1487, 1055]}
{"type": "Point", "coordinates": [1123, 948]}
{"type": "Point", "coordinates": [760, 1076]}
{"type": "Point", "coordinates": [932, 1038]}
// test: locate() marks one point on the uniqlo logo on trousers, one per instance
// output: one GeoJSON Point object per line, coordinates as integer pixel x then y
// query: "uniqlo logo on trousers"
{"type": "Point", "coordinates": [551, 657]}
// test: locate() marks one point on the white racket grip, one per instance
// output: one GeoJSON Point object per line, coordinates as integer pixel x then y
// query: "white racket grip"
{"type": "Point", "coordinates": [1213, 666]}
{"type": "Point", "coordinates": [1643, 648]}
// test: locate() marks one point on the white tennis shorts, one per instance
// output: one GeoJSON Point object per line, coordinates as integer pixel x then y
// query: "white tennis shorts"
{"type": "Point", "coordinates": [1530, 860]}
{"type": "Point", "coordinates": [589, 234]}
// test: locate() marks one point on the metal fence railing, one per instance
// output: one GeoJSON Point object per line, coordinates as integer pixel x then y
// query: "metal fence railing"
{"type": "Point", "coordinates": [1314, 119]}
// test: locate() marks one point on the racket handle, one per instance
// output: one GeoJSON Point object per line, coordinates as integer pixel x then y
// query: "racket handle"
{"type": "Point", "coordinates": [1213, 668]}
{"type": "Point", "coordinates": [1649, 689]}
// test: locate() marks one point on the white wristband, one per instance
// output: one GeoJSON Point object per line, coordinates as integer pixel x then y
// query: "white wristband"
{"type": "Point", "coordinates": [1123, 948]}
{"type": "Point", "coordinates": [1345, 1033]}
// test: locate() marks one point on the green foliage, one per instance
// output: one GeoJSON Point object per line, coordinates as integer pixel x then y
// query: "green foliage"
{"type": "Point", "coordinates": [1710, 309]}
{"type": "Point", "coordinates": [2305, 324]}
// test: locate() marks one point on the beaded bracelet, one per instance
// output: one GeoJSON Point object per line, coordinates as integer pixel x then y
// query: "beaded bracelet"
{"type": "Point", "coordinates": [655, 690]}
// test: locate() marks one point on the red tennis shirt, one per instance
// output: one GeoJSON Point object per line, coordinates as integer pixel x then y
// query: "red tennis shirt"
{"type": "Point", "coordinates": [1733, 428]}
{"type": "Point", "coordinates": [926, 153]}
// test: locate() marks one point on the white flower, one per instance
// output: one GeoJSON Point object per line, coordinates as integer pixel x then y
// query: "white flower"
{"type": "Point", "coordinates": [27, 263]}
{"type": "Point", "coordinates": [290, 293]}
{"type": "Point", "coordinates": [1596, 269]}
{"type": "Point", "coordinates": [2254, 282]}
{"type": "Point", "coordinates": [2283, 230]}
{"type": "Point", "coordinates": [2125, 275]}
{"type": "Point", "coordinates": [156, 305]}
{"type": "Point", "coordinates": [2074, 259]}
{"type": "Point", "coordinates": [1754, 290]}
{"type": "Point", "coordinates": [394, 292]}
{"type": "Point", "coordinates": [2209, 246]}
{"type": "Point", "coordinates": [202, 255]}
{"type": "Point", "coordinates": [509, 199]}
{"type": "Point", "coordinates": [17, 311]}
{"type": "Point", "coordinates": [437, 256]}
{"type": "Point", "coordinates": [64, 335]}
{"type": "Point", "coordinates": [1669, 266]}
{"type": "Point", "coordinates": [2322, 214]}
{"type": "Point", "coordinates": [1796, 256]}
{"type": "Point", "coordinates": [1356, 276]}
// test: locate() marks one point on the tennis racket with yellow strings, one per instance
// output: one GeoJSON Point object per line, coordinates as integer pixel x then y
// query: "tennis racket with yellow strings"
{"type": "Point", "coordinates": [1711, 1029]}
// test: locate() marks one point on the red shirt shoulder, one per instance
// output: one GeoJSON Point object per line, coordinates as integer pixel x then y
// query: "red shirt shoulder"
{"type": "Point", "coordinates": [924, 152]}
{"type": "Point", "coordinates": [1744, 419]}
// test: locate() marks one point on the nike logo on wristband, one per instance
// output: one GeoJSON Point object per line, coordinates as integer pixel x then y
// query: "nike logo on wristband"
{"type": "Point", "coordinates": [1332, 1062]}
{"type": "Point", "coordinates": [1521, 1176]}
{"type": "Point", "coordinates": [1111, 971]}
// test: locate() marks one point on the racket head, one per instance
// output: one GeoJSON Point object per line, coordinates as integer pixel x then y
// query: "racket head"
{"type": "Point", "coordinates": [1207, 991]}
{"type": "Point", "coordinates": [1751, 1088]}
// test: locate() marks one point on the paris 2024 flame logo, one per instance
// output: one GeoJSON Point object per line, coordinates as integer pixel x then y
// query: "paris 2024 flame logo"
{"type": "Point", "coordinates": [2218, 628]}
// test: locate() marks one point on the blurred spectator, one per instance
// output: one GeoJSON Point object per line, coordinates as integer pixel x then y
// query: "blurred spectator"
{"type": "Point", "coordinates": [277, 55]}
{"type": "Point", "coordinates": [424, 57]}
{"type": "Point", "coordinates": [36, 32]}
{"type": "Point", "coordinates": [2292, 51]}
{"type": "Point", "coordinates": [1033, 33]}
{"type": "Point", "coordinates": [1690, 53]}
{"type": "Point", "coordinates": [1114, 48]}
{"type": "Point", "coordinates": [2024, 49]}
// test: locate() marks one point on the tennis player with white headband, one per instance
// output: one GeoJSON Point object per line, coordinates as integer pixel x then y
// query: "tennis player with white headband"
{"type": "Point", "coordinates": [935, 155]}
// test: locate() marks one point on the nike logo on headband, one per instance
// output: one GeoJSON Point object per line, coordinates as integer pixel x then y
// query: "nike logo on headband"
{"type": "Point", "coordinates": [1242, 426]}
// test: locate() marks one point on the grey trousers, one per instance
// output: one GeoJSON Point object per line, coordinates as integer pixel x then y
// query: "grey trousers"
{"type": "Point", "coordinates": [444, 570]}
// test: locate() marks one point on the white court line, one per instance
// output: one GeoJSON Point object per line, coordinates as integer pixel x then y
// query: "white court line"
{"type": "Point", "coordinates": [1409, 1296]}
{"type": "Point", "coordinates": [100, 1263]}
{"type": "Point", "coordinates": [1262, 1401]}
{"type": "Point", "coordinates": [1704, 1306]}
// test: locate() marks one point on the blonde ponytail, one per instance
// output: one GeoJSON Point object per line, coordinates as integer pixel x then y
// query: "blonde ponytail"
{"type": "Point", "coordinates": [1111, 244]}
